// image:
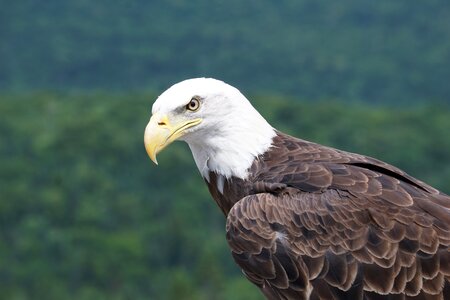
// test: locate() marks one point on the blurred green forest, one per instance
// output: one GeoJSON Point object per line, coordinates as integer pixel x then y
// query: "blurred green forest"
{"type": "Point", "coordinates": [84, 214]}
{"type": "Point", "coordinates": [356, 50]}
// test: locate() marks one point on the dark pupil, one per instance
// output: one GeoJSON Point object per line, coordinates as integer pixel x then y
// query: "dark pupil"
{"type": "Point", "coordinates": [192, 104]}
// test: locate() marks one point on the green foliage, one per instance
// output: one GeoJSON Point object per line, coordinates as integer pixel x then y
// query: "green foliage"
{"type": "Point", "coordinates": [357, 50]}
{"type": "Point", "coordinates": [85, 215]}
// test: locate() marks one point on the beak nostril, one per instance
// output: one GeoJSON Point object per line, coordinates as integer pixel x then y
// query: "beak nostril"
{"type": "Point", "coordinates": [161, 123]}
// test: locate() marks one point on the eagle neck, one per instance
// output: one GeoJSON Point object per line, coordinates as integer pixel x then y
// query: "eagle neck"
{"type": "Point", "coordinates": [231, 151]}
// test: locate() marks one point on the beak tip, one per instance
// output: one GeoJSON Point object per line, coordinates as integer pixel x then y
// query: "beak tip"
{"type": "Point", "coordinates": [152, 155]}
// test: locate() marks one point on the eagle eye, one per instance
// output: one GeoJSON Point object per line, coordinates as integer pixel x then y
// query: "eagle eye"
{"type": "Point", "coordinates": [194, 104]}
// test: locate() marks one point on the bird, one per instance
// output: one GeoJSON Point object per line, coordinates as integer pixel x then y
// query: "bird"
{"type": "Point", "coordinates": [304, 220]}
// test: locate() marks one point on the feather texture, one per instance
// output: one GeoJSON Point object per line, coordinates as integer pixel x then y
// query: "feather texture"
{"type": "Point", "coordinates": [312, 222]}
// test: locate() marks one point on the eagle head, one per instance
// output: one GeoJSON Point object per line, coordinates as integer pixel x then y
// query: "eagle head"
{"type": "Point", "coordinates": [223, 130]}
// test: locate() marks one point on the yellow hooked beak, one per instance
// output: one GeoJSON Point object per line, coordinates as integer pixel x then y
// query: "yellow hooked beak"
{"type": "Point", "coordinates": [159, 133]}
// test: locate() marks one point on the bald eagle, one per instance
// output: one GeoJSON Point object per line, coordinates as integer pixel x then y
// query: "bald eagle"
{"type": "Point", "coordinates": [306, 221]}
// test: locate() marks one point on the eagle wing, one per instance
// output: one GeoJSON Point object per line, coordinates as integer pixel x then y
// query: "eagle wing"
{"type": "Point", "coordinates": [345, 229]}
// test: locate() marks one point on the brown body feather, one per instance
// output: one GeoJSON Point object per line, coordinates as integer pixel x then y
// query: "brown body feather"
{"type": "Point", "coordinates": [312, 222]}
